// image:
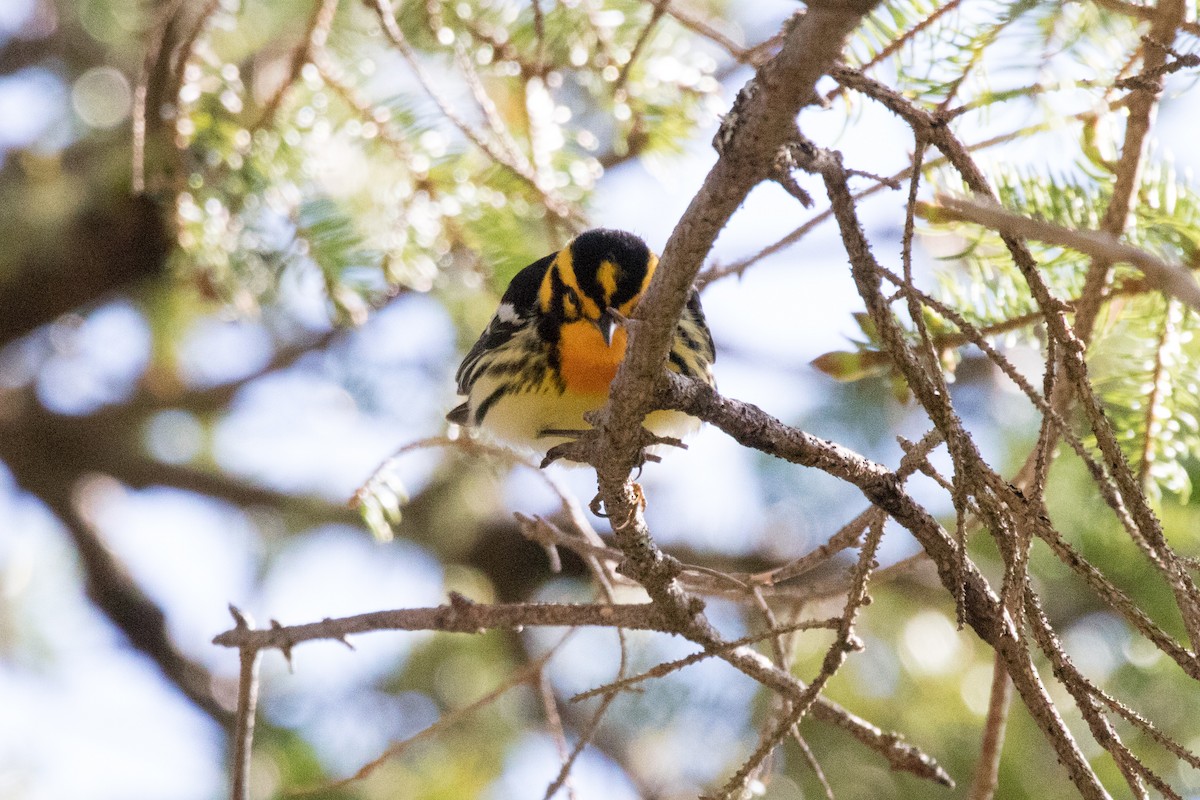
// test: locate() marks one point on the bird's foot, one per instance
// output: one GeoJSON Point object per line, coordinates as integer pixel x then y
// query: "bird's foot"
{"type": "Point", "coordinates": [581, 446]}
{"type": "Point", "coordinates": [597, 506]}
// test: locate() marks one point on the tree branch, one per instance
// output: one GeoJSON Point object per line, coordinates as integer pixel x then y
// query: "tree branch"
{"type": "Point", "coordinates": [1141, 105]}
{"type": "Point", "coordinates": [1140, 520]}
{"type": "Point", "coordinates": [459, 616]}
{"type": "Point", "coordinates": [762, 120]}
{"type": "Point", "coordinates": [115, 593]}
{"type": "Point", "coordinates": [108, 247]}
{"type": "Point", "coordinates": [987, 768]}
{"type": "Point", "coordinates": [1173, 279]}
{"type": "Point", "coordinates": [752, 427]}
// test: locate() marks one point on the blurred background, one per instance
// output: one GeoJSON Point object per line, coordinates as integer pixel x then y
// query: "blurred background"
{"type": "Point", "coordinates": [195, 381]}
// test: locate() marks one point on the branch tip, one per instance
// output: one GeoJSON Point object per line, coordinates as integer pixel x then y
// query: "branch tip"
{"type": "Point", "coordinates": [241, 621]}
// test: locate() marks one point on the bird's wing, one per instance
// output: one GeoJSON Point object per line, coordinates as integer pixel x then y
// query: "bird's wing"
{"type": "Point", "coordinates": [517, 307]}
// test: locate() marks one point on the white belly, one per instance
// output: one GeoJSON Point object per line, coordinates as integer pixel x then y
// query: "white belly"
{"type": "Point", "coordinates": [522, 419]}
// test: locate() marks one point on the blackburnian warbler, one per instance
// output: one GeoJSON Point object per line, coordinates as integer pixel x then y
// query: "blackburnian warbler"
{"type": "Point", "coordinates": [554, 344]}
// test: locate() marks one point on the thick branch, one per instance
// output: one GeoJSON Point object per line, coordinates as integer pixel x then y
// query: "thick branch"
{"type": "Point", "coordinates": [114, 591]}
{"type": "Point", "coordinates": [762, 120]}
{"type": "Point", "coordinates": [54, 450]}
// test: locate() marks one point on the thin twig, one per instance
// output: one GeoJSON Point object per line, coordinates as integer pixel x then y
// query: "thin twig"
{"type": "Point", "coordinates": [1147, 727]}
{"type": "Point", "coordinates": [960, 489]}
{"type": "Point", "coordinates": [811, 758]}
{"type": "Point", "coordinates": [1172, 278]}
{"type": "Point", "coordinates": [987, 768]}
{"type": "Point", "coordinates": [845, 643]}
{"type": "Point", "coordinates": [491, 115]}
{"type": "Point", "coordinates": [588, 730]}
{"type": "Point", "coordinates": [472, 446]}
{"type": "Point", "coordinates": [315, 35]}
{"type": "Point", "coordinates": [331, 73]}
{"type": "Point", "coordinates": [781, 651]}
{"type": "Point", "coordinates": [846, 536]}
{"type": "Point", "coordinates": [585, 737]}
{"type": "Point", "coordinates": [247, 702]}
{"type": "Point", "coordinates": [1160, 387]}
{"type": "Point", "coordinates": [554, 723]}
{"type": "Point", "coordinates": [898, 42]}
{"type": "Point", "coordinates": [668, 667]}
{"type": "Point", "coordinates": [849, 533]}
{"type": "Point", "coordinates": [703, 28]}
{"type": "Point", "coordinates": [660, 7]}
{"type": "Point", "coordinates": [513, 161]}
{"type": "Point", "coordinates": [739, 267]}
{"type": "Point", "coordinates": [529, 672]}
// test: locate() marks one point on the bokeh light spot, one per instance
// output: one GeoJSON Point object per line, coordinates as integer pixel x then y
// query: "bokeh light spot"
{"type": "Point", "coordinates": [174, 436]}
{"type": "Point", "coordinates": [976, 688]}
{"type": "Point", "coordinates": [931, 645]}
{"type": "Point", "coordinates": [102, 97]}
{"type": "Point", "coordinates": [31, 101]}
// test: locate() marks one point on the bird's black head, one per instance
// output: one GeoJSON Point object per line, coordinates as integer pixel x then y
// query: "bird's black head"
{"type": "Point", "coordinates": [600, 271]}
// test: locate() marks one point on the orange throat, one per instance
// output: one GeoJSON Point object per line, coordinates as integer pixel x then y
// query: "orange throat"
{"type": "Point", "coordinates": [588, 365]}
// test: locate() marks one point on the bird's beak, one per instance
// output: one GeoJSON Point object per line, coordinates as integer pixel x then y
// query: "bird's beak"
{"type": "Point", "coordinates": [606, 325]}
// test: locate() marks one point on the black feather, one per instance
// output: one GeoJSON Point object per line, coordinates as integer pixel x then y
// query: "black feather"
{"type": "Point", "coordinates": [521, 295]}
{"type": "Point", "coordinates": [522, 292]}
{"type": "Point", "coordinates": [460, 414]}
{"type": "Point", "coordinates": [697, 311]}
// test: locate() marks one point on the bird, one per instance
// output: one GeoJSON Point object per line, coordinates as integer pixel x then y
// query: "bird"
{"type": "Point", "coordinates": [557, 338]}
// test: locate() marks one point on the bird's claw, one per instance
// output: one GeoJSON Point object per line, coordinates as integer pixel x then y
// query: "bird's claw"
{"type": "Point", "coordinates": [579, 446]}
{"type": "Point", "coordinates": [640, 496]}
{"type": "Point", "coordinates": [597, 506]}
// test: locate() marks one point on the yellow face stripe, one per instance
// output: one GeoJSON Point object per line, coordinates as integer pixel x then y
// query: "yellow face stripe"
{"type": "Point", "coordinates": [566, 267]}
{"type": "Point", "coordinates": [606, 276]}
{"type": "Point", "coordinates": [546, 290]}
{"type": "Point", "coordinates": [589, 308]}
{"type": "Point", "coordinates": [626, 308]}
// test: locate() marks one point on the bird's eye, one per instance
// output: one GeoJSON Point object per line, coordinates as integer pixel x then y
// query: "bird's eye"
{"type": "Point", "coordinates": [570, 303]}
